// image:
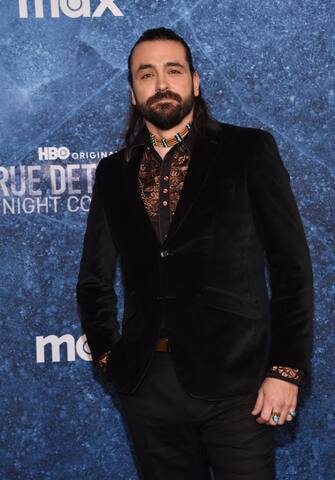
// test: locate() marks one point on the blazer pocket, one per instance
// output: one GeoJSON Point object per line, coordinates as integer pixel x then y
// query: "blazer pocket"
{"type": "Point", "coordinates": [231, 302]}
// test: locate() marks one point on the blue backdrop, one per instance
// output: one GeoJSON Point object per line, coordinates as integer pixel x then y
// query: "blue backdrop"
{"type": "Point", "coordinates": [64, 100]}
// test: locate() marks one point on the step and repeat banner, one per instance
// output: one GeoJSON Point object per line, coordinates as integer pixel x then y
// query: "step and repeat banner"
{"type": "Point", "coordinates": [64, 104]}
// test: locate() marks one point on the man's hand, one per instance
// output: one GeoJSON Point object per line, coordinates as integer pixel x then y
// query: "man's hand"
{"type": "Point", "coordinates": [278, 396]}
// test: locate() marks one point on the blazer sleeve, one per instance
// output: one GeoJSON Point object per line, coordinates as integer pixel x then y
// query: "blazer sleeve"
{"type": "Point", "coordinates": [96, 297]}
{"type": "Point", "coordinates": [287, 255]}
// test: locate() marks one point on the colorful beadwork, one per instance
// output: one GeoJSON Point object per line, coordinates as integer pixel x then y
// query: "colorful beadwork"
{"type": "Point", "coordinates": [177, 138]}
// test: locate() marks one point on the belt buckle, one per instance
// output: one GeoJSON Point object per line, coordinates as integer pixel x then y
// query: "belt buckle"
{"type": "Point", "coordinates": [164, 345]}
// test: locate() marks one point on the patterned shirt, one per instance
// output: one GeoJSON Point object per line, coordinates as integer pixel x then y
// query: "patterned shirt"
{"type": "Point", "coordinates": [160, 181]}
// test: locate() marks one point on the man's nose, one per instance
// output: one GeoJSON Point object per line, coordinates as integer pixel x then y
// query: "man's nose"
{"type": "Point", "coordinates": [162, 83]}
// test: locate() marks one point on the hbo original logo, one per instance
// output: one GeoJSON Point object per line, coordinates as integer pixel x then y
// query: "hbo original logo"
{"type": "Point", "coordinates": [53, 153]}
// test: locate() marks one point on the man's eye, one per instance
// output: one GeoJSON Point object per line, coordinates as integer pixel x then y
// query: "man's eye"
{"type": "Point", "coordinates": [174, 71]}
{"type": "Point", "coordinates": [146, 75]}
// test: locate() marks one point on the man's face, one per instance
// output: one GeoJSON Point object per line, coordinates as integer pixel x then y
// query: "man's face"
{"type": "Point", "coordinates": [163, 86]}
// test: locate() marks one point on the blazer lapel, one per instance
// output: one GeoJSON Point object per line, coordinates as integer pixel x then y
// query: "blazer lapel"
{"type": "Point", "coordinates": [140, 219]}
{"type": "Point", "coordinates": [205, 152]}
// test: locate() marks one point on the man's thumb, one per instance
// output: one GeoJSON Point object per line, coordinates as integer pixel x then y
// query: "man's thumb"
{"type": "Point", "coordinates": [259, 403]}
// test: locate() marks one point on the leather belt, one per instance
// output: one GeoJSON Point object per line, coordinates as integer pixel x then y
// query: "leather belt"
{"type": "Point", "coordinates": [163, 345]}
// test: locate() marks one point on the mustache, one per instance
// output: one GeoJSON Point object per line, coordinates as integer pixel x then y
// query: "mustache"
{"type": "Point", "coordinates": [163, 95]}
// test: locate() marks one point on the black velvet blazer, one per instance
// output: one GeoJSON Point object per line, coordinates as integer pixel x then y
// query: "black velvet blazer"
{"type": "Point", "coordinates": [236, 217]}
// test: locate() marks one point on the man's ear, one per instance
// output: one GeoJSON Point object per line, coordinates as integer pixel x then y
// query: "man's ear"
{"type": "Point", "coordinates": [196, 84]}
{"type": "Point", "coordinates": [133, 99]}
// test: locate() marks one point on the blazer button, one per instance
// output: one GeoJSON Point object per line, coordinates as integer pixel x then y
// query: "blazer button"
{"type": "Point", "coordinates": [165, 253]}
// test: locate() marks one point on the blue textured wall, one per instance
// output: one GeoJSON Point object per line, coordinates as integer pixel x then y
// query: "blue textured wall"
{"type": "Point", "coordinates": [267, 64]}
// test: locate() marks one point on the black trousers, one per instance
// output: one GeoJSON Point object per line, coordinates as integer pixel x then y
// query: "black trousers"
{"type": "Point", "coordinates": [178, 437]}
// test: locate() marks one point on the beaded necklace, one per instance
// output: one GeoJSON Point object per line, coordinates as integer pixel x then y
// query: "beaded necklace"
{"type": "Point", "coordinates": [177, 138]}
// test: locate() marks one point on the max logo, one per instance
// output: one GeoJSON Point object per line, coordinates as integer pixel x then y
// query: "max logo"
{"type": "Point", "coordinates": [69, 8]}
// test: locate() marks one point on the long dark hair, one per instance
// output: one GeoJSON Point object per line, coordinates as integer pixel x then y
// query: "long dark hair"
{"type": "Point", "coordinates": [135, 119]}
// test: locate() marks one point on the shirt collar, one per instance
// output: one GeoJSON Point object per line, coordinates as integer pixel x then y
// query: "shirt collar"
{"type": "Point", "coordinates": [143, 139]}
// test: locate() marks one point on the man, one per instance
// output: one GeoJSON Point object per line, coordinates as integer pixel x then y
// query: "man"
{"type": "Point", "coordinates": [196, 210]}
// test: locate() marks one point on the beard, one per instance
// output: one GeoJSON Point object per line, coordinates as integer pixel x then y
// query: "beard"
{"type": "Point", "coordinates": [166, 114]}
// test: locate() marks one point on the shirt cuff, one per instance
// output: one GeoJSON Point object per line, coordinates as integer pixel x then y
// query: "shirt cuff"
{"type": "Point", "coordinates": [102, 361]}
{"type": "Point", "coordinates": [291, 375]}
